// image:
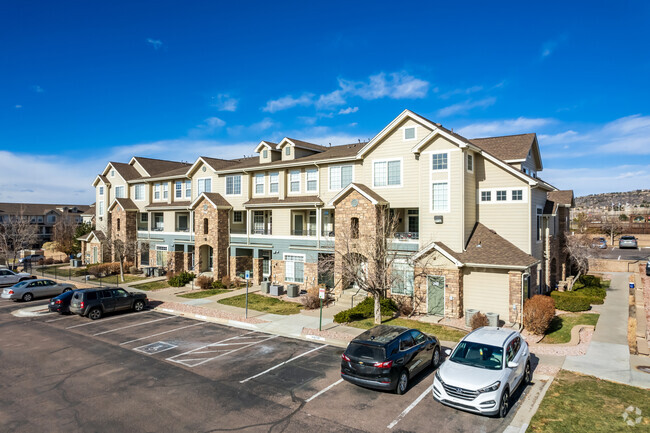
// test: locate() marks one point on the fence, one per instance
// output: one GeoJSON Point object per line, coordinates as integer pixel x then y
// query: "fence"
{"type": "Point", "coordinates": [77, 275]}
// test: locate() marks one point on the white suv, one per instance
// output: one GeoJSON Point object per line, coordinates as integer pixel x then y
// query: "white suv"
{"type": "Point", "coordinates": [9, 278]}
{"type": "Point", "coordinates": [477, 377]}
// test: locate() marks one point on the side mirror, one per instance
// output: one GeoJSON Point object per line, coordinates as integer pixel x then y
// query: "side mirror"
{"type": "Point", "coordinates": [512, 365]}
{"type": "Point", "coordinates": [447, 352]}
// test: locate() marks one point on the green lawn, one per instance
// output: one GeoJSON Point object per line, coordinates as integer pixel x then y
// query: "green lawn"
{"type": "Point", "coordinates": [263, 303]}
{"type": "Point", "coordinates": [560, 330]}
{"type": "Point", "coordinates": [441, 332]}
{"type": "Point", "coordinates": [153, 285]}
{"type": "Point", "coordinates": [576, 403]}
{"type": "Point", "coordinates": [115, 279]}
{"type": "Point", "coordinates": [204, 293]}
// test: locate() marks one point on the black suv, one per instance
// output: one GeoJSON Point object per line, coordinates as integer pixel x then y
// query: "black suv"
{"type": "Point", "coordinates": [94, 303]}
{"type": "Point", "coordinates": [386, 357]}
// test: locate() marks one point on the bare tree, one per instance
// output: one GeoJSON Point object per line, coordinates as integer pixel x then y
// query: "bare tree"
{"type": "Point", "coordinates": [121, 250]}
{"type": "Point", "coordinates": [66, 234]}
{"type": "Point", "coordinates": [16, 233]}
{"type": "Point", "coordinates": [581, 221]}
{"type": "Point", "coordinates": [612, 227]}
{"type": "Point", "coordinates": [578, 248]}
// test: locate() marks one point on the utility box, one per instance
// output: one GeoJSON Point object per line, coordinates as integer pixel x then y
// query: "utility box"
{"type": "Point", "coordinates": [469, 313]}
{"type": "Point", "coordinates": [266, 287]}
{"type": "Point", "coordinates": [292, 290]}
{"type": "Point", "coordinates": [493, 319]}
{"type": "Point", "coordinates": [277, 290]}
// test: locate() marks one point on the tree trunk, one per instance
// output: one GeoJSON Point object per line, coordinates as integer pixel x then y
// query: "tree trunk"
{"type": "Point", "coordinates": [377, 309]}
{"type": "Point", "coordinates": [121, 269]}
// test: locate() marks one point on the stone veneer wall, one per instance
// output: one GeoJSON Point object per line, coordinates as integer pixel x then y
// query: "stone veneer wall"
{"type": "Point", "coordinates": [453, 286]}
{"type": "Point", "coordinates": [218, 236]}
{"type": "Point", "coordinates": [128, 228]}
{"type": "Point", "coordinates": [240, 264]}
{"type": "Point", "coordinates": [176, 262]}
{"type": "Point", "coordinates": [258, 270]}
{"type": "Point", "coordinates": [277, 271]}
{"type": "Point", "coordinates": [514, 283]}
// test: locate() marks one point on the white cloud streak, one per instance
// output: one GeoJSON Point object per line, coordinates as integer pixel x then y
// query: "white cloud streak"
{"type": "Point", "coordinates": [465, 106]}
{"type": "Point", "coordinates": [224, 102]}
{"type": "Point", "coordinates": [155, 43]}
{"type": "Point", "coordinates": [287, 102]}
{"type": "Point", "coordinates": [348, 110]}
{"type": "Point", "coordinates": [504, 127]}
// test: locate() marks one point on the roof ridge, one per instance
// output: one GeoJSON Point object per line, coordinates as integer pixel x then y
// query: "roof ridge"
{"type": "Point", "coordinates": [503, 136]}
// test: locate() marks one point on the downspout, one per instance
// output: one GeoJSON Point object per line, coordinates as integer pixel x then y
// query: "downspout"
{"type": "Point", "coordinates": [521, 307]}
{"type": "Point", "coordinates": [462, 201]}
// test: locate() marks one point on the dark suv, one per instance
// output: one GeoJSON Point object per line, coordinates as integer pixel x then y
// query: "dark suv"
{"type": "Point", "coordinates": [386, 357]}
{"type": "Point", "coordinates": [94, 303]}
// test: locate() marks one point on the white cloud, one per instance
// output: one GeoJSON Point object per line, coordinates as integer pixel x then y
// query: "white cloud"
{"type": "Point", "coordinates": [504, 127]}
{"type": "Point", "coordinates": [254, 128]}
{"type": "Point", "coordinates": [463, 91]}
{"type": "Point", "coordinates": [560, 138]}
{"type": "Point", "coordinates": [397, 85]}
{"type": "Point", "coordinates": [288, 101]}
{"type": "Point", "coordinates": [348, 110]}
{"type": "Point", "coordinates": [209, 126]}
{"type": "Point", "coordinates": [331, 99]}
{"type": "Point", "coordinates": [224, 102]}
{"type": "Point", "coordinates": [155, 43]}
{"type": "Point", "coordinates": [179, 149]}
{"type": "Point", "coordinates": [550, 46]}
{"type": "Point", "coordinates": [38, 89]}
{"type": "Point", "coordinates": [596, 180]}
{"type": "Point", "coordinates": [464, 107]}
{"type": "Point", "coordinates": [18, 106]}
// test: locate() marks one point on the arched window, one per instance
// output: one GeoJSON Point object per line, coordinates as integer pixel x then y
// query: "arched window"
{"type": "Point", "coordinates": [354, 228]}
{"type": "Point", "coordinates": [118, 223]}
{"type": "Point", "coordinates": [205, 226]}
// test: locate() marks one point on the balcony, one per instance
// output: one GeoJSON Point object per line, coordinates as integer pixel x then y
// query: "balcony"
{"type": "Point", "coordinates": [262, 231]}
{"type": "Point", "coordinates": [407, 236]}
{"type": "Point", "coordinates": [304, 232]}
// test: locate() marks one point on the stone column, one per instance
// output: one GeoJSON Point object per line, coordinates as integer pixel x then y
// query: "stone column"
{"type": "Point", "coordinates": [258, 270]}
{"type": "Point", "coordinates": [514, 282]}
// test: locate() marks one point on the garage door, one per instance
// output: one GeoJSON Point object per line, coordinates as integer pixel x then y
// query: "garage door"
{"type": "Point", "coordinates": [487, 291]}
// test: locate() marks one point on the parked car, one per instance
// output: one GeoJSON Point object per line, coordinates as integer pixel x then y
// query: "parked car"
{"type": "Point", "coordinates": [30, 289]}
{"type": "Point", "coordinates": [599, 243]}
{"type": "Point", "coordinates": [31, 258]}
{"type": "Point", "coordinates": [484, 370]}
{"type": "Point", "coordinates": [9, 278]}
{"type": "Point", "coordinates": [387, 357]}
{"type": "Point", "coordinates": [94, 303]}
{"type": "Point", "coordinates": [61, 304]}
{"type": "Point", "coordinates": [627, 242]}
{"type": "Point", "coordinates": [647, 268]}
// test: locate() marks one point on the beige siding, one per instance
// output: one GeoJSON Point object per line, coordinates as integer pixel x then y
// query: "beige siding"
{"type": "Point", "coordinates": [140, 203]}
{"type": "Point", "coordinates": [100, 219]}
{"type": "Point", "coordinates": [281, 221]}
{"type": "Point", "coordinates": [139, 168]}
{"type": "Point", "coordinates": [487, 291]}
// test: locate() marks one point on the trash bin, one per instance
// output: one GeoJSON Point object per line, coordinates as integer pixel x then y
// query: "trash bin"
{"type": "Point", "coordinates": [277, 290]}
{"type": "Point", "coordinates": [292, 290]}
{"type": "Point", "coordinates": [469, 313]}
{"type": "Point", "coordinates": [493, 319]}
{"type": "Point", "coordinates": [266, 286]}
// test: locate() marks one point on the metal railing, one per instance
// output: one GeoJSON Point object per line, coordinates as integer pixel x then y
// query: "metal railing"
{"type": "Point", "coordinates": [305, 232]}
{"type": "Point", "coordinates": [264, 231]}
{"type": "Point", "coordinates": [407, 236]}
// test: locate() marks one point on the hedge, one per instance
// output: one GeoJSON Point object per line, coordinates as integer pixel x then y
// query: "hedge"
{"type": "Point", "coordinates": [366, 309]}
{"type": "Point", "coordinates": [571, 301]}
{"type": "Point", "coordinates": [181, 279]}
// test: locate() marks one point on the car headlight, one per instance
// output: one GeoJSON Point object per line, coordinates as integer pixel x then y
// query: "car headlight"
{"type": "Point", "coordinates": [491, 388]}
{"type": "Point", "coordinates": [438, 377]}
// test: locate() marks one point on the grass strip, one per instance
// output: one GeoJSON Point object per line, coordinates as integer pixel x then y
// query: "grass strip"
{"type": "Point", "coordinates": [263, 303]}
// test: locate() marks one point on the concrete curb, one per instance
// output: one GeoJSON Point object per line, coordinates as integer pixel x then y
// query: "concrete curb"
{"type": "Point", "coordinates": [529, 406]}
{"type": "Point", "coordinates": [38, 310]}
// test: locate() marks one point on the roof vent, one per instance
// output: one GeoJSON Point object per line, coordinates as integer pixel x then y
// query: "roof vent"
{"type": "Point", "coordinates": [479, 244]}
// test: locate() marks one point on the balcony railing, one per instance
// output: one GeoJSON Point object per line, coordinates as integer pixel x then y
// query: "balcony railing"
{"type": "Point", "coordinates": [182, 229]}
{"type": "Point", "coordinates": [237, 231]}
{"type": "Point", "coordinates": [264, 231]}
{"type": "Point", "coordinates": [407, 236]}
{"type": "Point", "coordinates": [305, 232]}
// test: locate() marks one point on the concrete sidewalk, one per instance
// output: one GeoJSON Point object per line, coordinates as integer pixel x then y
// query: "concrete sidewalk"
{"type": "Point", "coordinates": [608, 356]}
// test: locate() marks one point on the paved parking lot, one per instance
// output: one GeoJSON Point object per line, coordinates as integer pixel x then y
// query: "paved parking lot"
{"type": "Point", "coordinates": [155, 372]}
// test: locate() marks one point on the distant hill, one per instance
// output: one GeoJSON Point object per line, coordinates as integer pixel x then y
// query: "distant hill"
{"type": "Point", "coordinates": [640, 197]}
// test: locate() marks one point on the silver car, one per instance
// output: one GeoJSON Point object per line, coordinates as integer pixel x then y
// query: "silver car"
{"type": "Point", "coordinates": [628, 242]}
{"type": "Point", "coordinates": [30, 289]}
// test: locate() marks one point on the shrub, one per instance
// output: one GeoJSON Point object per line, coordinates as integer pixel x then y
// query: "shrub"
{"type": "Point", "coordinates": [366, 309]}
{"type": "Point", "coordinates": [570, 301]}
{"type": "Point", "coordinates": [478, 321]}
{"type": "Point", "coordinates": [134, 270]}
{"type": "Point", "coordinates": [227, 283]}
{"type": "Point", "coordinates": [95, 270]}
{"type": "Point", "coordinates": [181, 279]}
{"type": "Point", "coordinates": [204, 282]}
{"type": "Point", "coordinates": [49, 261]}
{"type": "Point", "coordinates": [538, 313]}
{"type": "Point", "coordinates": [112, 268]}
{"type": "Point", "coordinates": [310, 300]}
{"type": "Point", "coordinates": [589, 280]}
{"type": "Point", "coordinates": [596, 295]}
{"type": "Point", "coordinates": [216, 284]}
{"type": "Point", "coordinates": [41, 262]}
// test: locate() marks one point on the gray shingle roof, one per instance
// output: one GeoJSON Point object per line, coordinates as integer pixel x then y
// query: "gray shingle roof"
{"type": "Point", "coordinates": [38, 208]}
{"type": "Point", "coordinates": [487, 247]}
{"type": "Point", "coordinates": [508, 147]}
{"type": "Point", "coordinates": [287, 200]}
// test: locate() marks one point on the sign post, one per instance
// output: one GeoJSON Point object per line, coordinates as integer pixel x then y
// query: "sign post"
{"type": "Point", "coordinates": [248, 277]}
{"type": "Point", "coordinates": [321, 296]}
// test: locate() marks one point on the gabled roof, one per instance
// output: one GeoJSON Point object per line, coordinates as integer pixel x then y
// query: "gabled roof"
{"type": "Point", "coordinates": [266, 144]}
{"type": "Point", "coordinates": [563, 197]}
{"type": "Point", "coordinates": [168, 206]}
{"type": "Point", "coordinates": [215, 198]}
{"type": "Point", "coordinates": [214, 163]}
{"type": "Point", "coordinates": [511, 148]}
{"type": "Point", "coordinates": [95, 233]}
{"type": "Point", "coordinates": [301, 144]}
{"type": "Point", "coordinates": [102, 178]}
{"type": "Point", "coordinates": [125, 203]}
{"type": "Point", "coordinates": [486, 247]}
{"type": "Point", "coordinates": [155, 167]}
{"type": "Point", "coordinates": [450, 254]}
{"type": "Point", "coordinates": [127, 171]}
{"type": "Point", "coordinates": [34, 209]}
{"type": "Point", "coordinates": [362, 189]}
{"type": "Point", "coordinates": [289, 200]}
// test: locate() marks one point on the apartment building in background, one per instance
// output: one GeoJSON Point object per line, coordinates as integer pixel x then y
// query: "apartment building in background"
{"type": "Point", "coordinates": [477, 227]}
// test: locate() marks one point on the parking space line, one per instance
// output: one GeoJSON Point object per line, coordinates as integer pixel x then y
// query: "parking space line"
{"type": "Point", "coordinates": [161, 333]}
{"type": "Point", "coordinates": [410, 408]}
{"type": "Point", "coordinates": [283, 363]}
{"type": "Point", "coordinates": [60, 318]}
{"type": "Point", "coordinates": [133, 325]}
{"type": "Point", "coordinates": [323, 391]}
{"type": "Point", "coordinates": [189, 362]}
{"type": "Point", "coordinates": [104, 320]}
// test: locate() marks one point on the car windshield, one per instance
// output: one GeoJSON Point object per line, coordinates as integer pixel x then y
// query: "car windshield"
{"type": "Point", "coordinates": [366, 351]}
{"type": "Point", "coordinates": [478, 355]}
{"type": "Point", "coordinates": [21, 284]}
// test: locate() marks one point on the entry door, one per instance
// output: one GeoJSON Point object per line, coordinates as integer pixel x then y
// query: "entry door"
{"type": "Point", "coordinates": [436, 295]}
{"type": "Point", "coordinates": [95, 260]}
{"type": "Point", "coordinates": [297, 224]}
{"type": "Point", "coordinates": [266, 263]}
{"type": "Point", "coordinates": [258, 222]}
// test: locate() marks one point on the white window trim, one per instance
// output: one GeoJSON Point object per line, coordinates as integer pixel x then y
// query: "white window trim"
{"type": "Point", "coordinates": [162, 248]}
{"type": "Point", "coordinates": [135, 192]}
{"type": "Point", "coordinates": [185, 183]}
{"type": "Point", "coordinates": [467, 157]}
{"type": "Point", "coordinates": [508, 200]}
{"type": "Point", "coordinates": [157, 188]}
{"type": "Point", "coordinates": [101, 190]}
{"type": "Point", "coordinates": [329, 176]}
{"type": "Point", "coordinates": [439, 170]}
{"type": "Point", "coordinates": [165, 190]}
{"type": "Point", "coordinates": [404, 262]}
{"type": "Point", "coordinates": [277, 174]}
{"type": "Point", "coordinates": [387, 160]}
{"type": "Point", "coordinates": [284, 258]}
{"type": "Point", "coordinates": [415, 137]}
{"type": "Point", "coordinates": [180, 183]}
{"type": "Point", "coordinates": [440, 211]}
{"type": "Point", "coordinates": [289, 192]}
{"type": "Point", "coordinates": [100, 207]}
{"type": "Point", "coordinates": [241, 185]}
{"type": "Point", "coordinates": [312, 170]}
{"type": "Point", "coordinates": [539, 230]}
{"type": "Point", "coordinates": [241, 214]}
{"type": "Point", "coordinates": [263, 183]}
{"type": "Point", "coordinates": [434, 177]}
{"type": "Point", "coordinates": [203, 178]}
{"type": "Point", "coordinates": [123, 189]}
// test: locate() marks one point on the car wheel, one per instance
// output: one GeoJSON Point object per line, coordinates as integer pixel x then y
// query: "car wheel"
{"type": "Point", "coordinates": [28, 297]}
{"type": "Point", "coordinates": [402, 383]}
{"type": "Point", "coordinates": [435, 359]}
{"type": "Point", "coordinates": [138, 306]}
{"type": "Point", "coordinates": [67, 290]}
{"type": "Point", "coordinates": [527, 374]}
{"type": "Point", "coordinates": [95, 314]}
{"type": "Point", "coordinates": [505, 404]}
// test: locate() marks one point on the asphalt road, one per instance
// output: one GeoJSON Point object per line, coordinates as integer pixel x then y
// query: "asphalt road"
{"type": "Point", "coordinates": [622, 254]}
{"type": "Point", "coordinates": [153, 372]}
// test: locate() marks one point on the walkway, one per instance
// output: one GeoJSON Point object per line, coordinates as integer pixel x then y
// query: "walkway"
{"type": "Point", "coordinates": [608, 356]}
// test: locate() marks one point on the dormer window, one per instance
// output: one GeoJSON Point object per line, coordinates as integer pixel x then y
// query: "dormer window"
{"type": "Point", "coordinates": [287, 151]}
{"type": "Point", "coordinates": [112, 173]}
{"type": "Point", "coordinates": [265, 154]}
{"type": "Point", "coordinates": [409, 133]}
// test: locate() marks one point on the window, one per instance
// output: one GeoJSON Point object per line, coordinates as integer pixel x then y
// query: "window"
{"type": "Point", "coordinates": [294, 181]}
{"type": "Point", "coordinates": [439, 161]}
{"type": "Point", "coordinates": [158, 221]}
{"type": "Point", "coordinates": [265, 154]}
{"type": "Point", "coordinates": [203, 185]}
{"type": "Point", "coordinates": [403, 277]}
{"type": "Point", "coordinates": [273, 183]}
{"type": "Point", "coordinates": [181, 223]}
{"type": "Point", "coordinates": [409, 133]}
{"type": "Point", "coordinates": [413, 220]}
{"type": "Point", "coordinates": [188, 189]}
{"type": "Point", "coordinates": [156, 191]}
{"type": "Point", "coordinates": [101, 208]}
{"type": "Point", "coordinates": [40, 218]}
{"type": "Point", "coordinates": [502, 195]}
{"type": "Point", "coordinates": [486, 195]}
{"type": "Point", "coordinates": [101, 190]}
{"type": "Point", "coordinates": [51, 219]}
{"type": "Point", "coordinates": [178, 190]}
{"type": "Point", "coordinates": [539, 224]}
{"type": "Point", "coordinates": [112, 173]}
{"type": "Point", "coordinates": [237, 216]}
{"type": "Point", "coordinates": [259, 183]}
{"type": "Point", "coordinates": [354, 228]}
{"type": "Point", "coordinates": [294, 268]}
{"type": "Point", "coordinates": [340, 177]}
{"type": "Point", "coordinates": [118, 224]}
{"type": "Point", "coordinates": [144, 217]}
{"type": "Point", "coordinates": [119, 192]}
{"type": "Point", "coordinates": [517, 195]}
{"type": "Point", "coordinates": [139, 191]}
{"type": "Point", "coordinates": [233, 185]}
{"type": "Point", "coordinates": [387, 173]}
{"type": "Point", "coordinates": [440, 197]}
{"type": "Point", "coordinates": [165, 189]}
{"type": "Point", "coordinates": [312, 180]}
{"type": "Point", "coordinates": [287, 151]}
{"type": "Point", "coordinates": [205, 226]}
{"type": "Point", "coordinates": [470, 162]}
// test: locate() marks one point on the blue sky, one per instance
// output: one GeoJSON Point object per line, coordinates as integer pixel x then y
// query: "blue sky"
{"type": "Point", "coordinates": [84, 82]}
